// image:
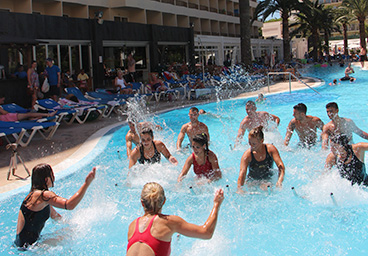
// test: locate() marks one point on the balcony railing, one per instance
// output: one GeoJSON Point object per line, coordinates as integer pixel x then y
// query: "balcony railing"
{"type": "Point", "coordinates": [203, 8]}
{"type": "Point", "coordinates": [213, 9]}
{"type": "Point", "coordinates": [206, 33]}
{"type": "Point", "coordinates": [193, 5]}
{"type": "Point", "coordinates": [181, 3]}
{"type": "Point", "coordinates": [230, 13]}
{"type": "Point", "coordinates": [168, 1]}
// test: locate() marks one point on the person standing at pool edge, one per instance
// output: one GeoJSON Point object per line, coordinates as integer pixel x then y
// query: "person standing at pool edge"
{"type": "Point", "coordinates": [305, 126]}
{"type": "Point", "coordinates": [339, 125]}
{"type": "Point", "coordinates": [260, 158]}
{"type": "Point", "coordinates": [254, 119]}
{"type": "Point", "coordinates": [37, 207]}
{"type": "Point", "coordinates": [151, 234]}
{"type": "Point", "coordinates": [192, 128]}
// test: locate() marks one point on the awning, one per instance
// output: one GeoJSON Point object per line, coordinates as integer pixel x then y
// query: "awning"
{"type": "Point", "coordinates": [8, 39]}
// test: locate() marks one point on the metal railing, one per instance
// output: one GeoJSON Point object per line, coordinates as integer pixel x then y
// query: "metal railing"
{"type": "Point", "coordinates": [290, 75]}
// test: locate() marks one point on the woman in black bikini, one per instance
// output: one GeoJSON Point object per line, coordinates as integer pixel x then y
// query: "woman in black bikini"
{"type": "Point", "coordinates": [259, 158]}
{"type": "Point", "coordinates": [37, 207]}
{"type": "Point", "coordinates": [149, 151]}
{"type": "Point", "coordinates": [349, 159]}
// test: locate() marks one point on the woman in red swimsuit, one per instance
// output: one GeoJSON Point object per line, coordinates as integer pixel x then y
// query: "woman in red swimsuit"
{"type": "Point", "coordinates": [204, 161]}
{"type": "Point", "coordinates": [150, 235]}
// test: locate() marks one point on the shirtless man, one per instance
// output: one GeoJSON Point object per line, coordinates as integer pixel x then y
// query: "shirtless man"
{"type": "Point", "coordinates": [254, 119]}
{"type": "Point", "coordinates": [339, 125]}
{"type": "Point", "coordinates": [132, 135]}
{"type": "Point", "coordinates": [349, 70]}
{"type": "Point", "coordinates": [305, 126]}
{"type": "Point", "coordinates": [192, 128]}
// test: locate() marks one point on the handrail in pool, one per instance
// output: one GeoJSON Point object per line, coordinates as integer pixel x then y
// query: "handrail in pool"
{"type": "Point", "coordinates": [290, 74]}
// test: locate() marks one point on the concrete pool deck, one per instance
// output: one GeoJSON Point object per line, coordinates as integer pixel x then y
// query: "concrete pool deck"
{"type": "Point", "coordinates": [73, 142]}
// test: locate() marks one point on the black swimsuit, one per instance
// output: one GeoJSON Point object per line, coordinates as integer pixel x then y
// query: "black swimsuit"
{"type": "Point", "coordinates": [261, 170]}
{"type": "Point", "coordinates": [33, 225]}
{"type": "Point", "coordinates": [354, 170]}
{"type": "Point", "coordinates": [155, 159]}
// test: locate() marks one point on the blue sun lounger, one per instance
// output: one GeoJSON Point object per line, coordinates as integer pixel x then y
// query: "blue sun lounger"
{"type": "Point", "coordinates": [19, 132]}
{"type": "Point", "coordinates": [46, 129]}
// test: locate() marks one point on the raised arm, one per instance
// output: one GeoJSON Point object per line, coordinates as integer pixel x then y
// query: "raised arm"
{"type": "Point", "coordinates": [163, 150]}
{"type": "Point", "coordinates": [129, 144]}
{"type": "Point", "coordinates": [330, 161]}
{"type": "Point", "coordinates": [244, 162]}
{"type": "Point", "coordinates": [325, 136]}
{"type": "Point", "coordinates": [72, 202]}
{"type": "Point", "coordinates": [280, 165]}
{"type": "Point", "coordinates": [181, 136]}
{"type": "Point", "coordinates": [205, 231]}
{"type": "Point", "coordinates": [276, 119]}
{"type": "Point", "coordinates": [356, 130]}
{"type": "Point", "coordinates": [212, 158]}
{"type": "Point", "coordinates": [289, 132]}
{"type": "Point", "coordinates": [241, 132]}
{"type": "Point", "coordinates": [186, 167]}
{"type": "Point", "coordinates": [135, 154]}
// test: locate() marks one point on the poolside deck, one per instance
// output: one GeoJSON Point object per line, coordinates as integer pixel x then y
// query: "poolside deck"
{"type": "Point", "coordinates": [68, 140]}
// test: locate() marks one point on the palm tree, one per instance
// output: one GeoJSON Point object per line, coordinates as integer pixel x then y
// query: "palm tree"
{"type": "Point", "coordinates": [245, 33]}
{"type": "Point", "coordinates": [329, 25]}
{"type": "Point", "coordinates": [265, 8]}
{"type": "Point", "coordinates": [344, 17]}
{"type": "Point", "coordinates": [309, 20]}
{"type": "Point", "coordinates": [359, 9]}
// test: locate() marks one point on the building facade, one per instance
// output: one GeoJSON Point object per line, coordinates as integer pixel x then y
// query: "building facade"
{"type": "Point", "coordinates": [97, 35]}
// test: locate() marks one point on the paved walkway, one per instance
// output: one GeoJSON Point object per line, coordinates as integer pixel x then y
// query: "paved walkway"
{"type": "Point", "coordinates": [68, 144]}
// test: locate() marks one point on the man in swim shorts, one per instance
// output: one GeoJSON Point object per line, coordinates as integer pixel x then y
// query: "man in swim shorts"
{"type": "Point", "coordinates": [254, 119]}
{"type": "Point", "coordinates": [339, 125]}
{"type": "Point", "coordinates": [305, 126]}
{"type": "Point", "coordinates": [192, 128]}
{"type": "Point", "coordinates": [133, 137]}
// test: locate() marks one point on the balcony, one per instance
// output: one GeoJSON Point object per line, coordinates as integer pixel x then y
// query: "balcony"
{"type": "Point", "coordinates": [181, 3]}
{"type": "Point", "coordinates": [203, 8]}
{"type": "Point", "coordinates": [213, 9]}
{"type": "Point", "coordinates": [193, 5]}
{"type": "Point", "coordinates": [230, 13]}
{"type": "Point", "coordinates": [168, 1]}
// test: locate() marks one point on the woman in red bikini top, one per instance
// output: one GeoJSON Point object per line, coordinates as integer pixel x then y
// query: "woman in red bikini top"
{"type": "Point", "coordinates": [204, 161]}
{"type": "Point", "coordinates": [151, 234]}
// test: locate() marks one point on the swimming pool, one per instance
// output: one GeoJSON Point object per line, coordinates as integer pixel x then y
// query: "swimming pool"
{"type": "Point", "coordinates": [276, 223]}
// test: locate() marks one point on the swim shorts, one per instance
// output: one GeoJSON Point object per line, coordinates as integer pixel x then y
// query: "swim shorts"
{"type": "Point", "coordinates": [10, 117]}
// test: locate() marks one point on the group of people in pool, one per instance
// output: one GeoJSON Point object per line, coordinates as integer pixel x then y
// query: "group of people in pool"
{"type": "Point", "coordinates": [151, 234]}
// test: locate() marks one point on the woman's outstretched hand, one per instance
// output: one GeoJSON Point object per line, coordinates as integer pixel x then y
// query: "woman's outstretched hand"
{"type": "Point", "coordinates": [90, 176]}
{"type": "Point", "coordinates": [219, 196]}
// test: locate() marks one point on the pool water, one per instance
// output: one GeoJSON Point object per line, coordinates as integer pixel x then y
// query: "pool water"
{"type": "Point", "coordinates": [306, 220]}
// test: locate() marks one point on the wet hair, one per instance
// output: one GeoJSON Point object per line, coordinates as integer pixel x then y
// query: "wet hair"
{"type": "Point", "coordinates": [334, 81]}
{"type": "Point", "coordinates": [132, 120]}
{"type": "Point", "coordinates": [201, 139]}
{"type": "Point", "coordinates": [250, 103]}
{"type": "Point", "coordinates": [39, 174]}
{"type": "Point", "coordinates": [342, 140]}
{"type": "Point", "coordinates": [194, 109]}
{"type": "Point", "coordinates": [152, 197]}
{"type": "Point", "coordinates": [301, 108]}
{"type": "Point", "coordinates": [147, 130]}
{"type": "Point", "coordinates": [257, 133]}
{"type": "Point", "coordinates": [332, 105]}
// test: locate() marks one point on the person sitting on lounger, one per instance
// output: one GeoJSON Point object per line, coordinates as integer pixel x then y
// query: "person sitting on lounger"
{"type": "Point", "coordinates": [13, 117]}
